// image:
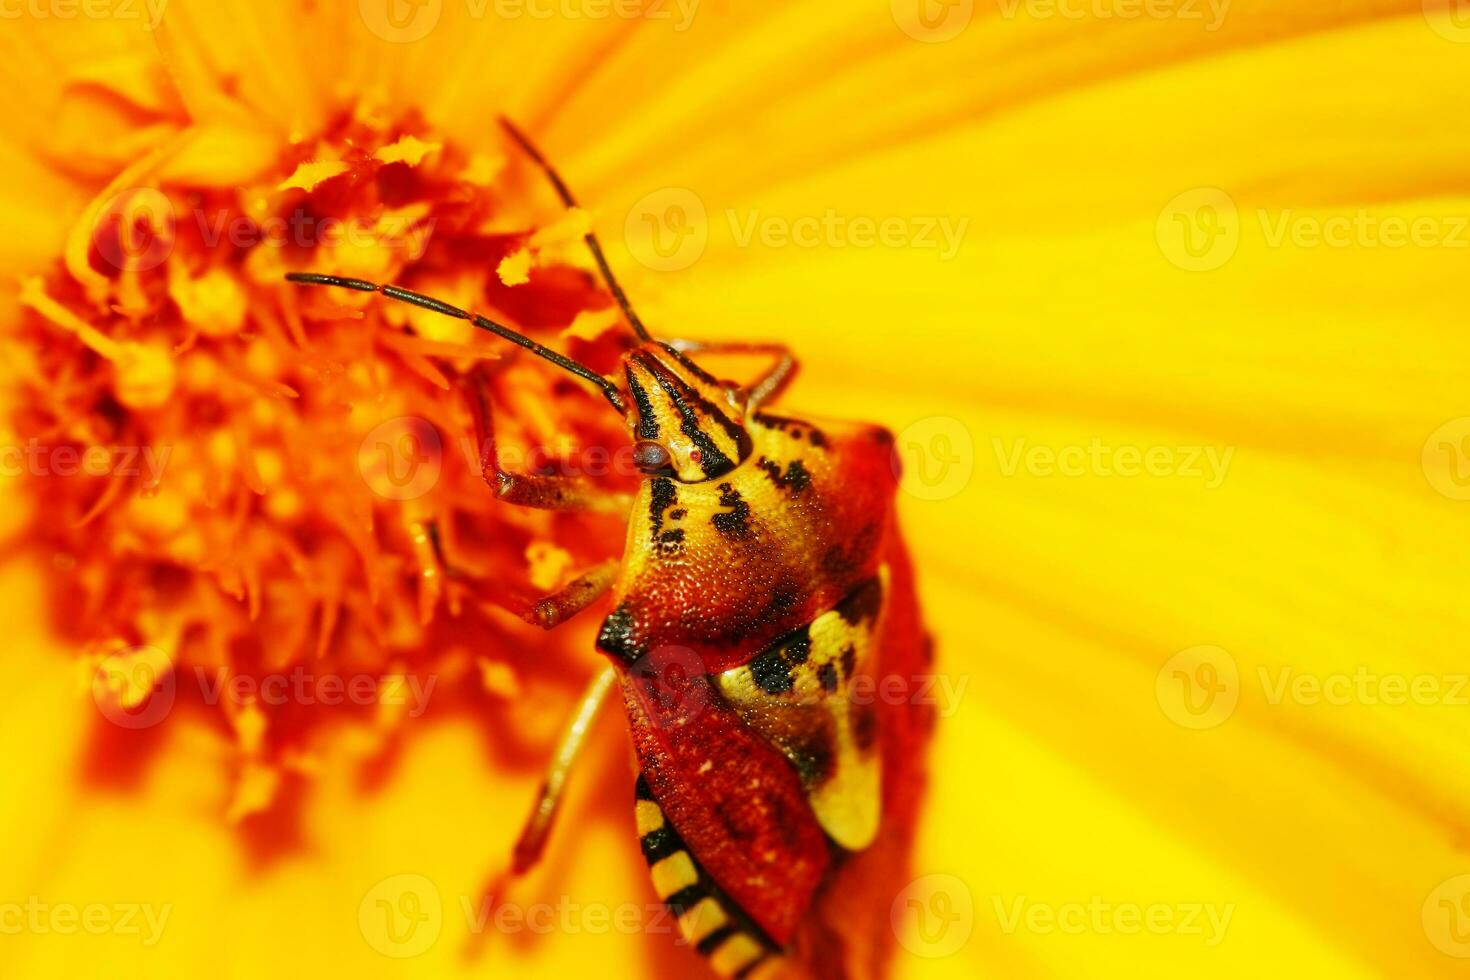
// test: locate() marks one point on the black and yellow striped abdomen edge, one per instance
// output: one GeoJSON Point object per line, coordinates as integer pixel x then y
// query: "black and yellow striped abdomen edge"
{"type": "Point", "coordinates": [708, 920]}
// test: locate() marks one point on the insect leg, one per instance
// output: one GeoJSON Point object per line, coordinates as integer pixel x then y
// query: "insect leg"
{"type": "Point", "coordinates": [555, 609]}
{"type": "Point", "coordinates": [764, 388]}
{"type": "Point", "coordinates": [527, 489]}
{"type": "Point", "coordinates": [532, 842]}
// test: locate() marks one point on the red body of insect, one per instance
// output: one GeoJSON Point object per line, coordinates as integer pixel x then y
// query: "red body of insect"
{"type": "Point", "coordinates": [763, 601]}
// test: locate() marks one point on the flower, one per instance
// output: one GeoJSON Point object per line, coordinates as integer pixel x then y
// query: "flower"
{"type": "Point", "coordinates": [1154, 298]}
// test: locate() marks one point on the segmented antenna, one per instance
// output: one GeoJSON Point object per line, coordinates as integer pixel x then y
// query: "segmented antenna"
{"type": "Point", "coordinates": [591, 239]}
{"type": "Point", "coordinates": [609, 390]}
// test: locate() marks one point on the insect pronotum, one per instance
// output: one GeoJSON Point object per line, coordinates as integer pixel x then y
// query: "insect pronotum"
{"type": "Point", "coordinates": [762, 591]}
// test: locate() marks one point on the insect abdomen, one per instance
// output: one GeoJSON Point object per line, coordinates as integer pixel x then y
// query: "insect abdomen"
{"type": "Point", "coordinates": [708, 920]}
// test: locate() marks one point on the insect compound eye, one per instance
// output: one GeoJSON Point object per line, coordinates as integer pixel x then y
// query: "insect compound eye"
{"type": "Point", "coordinates": [651, 457]}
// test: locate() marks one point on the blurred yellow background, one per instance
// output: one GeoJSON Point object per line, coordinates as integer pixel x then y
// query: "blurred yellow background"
{"type": "Point", "coordinates": [1167, 309]}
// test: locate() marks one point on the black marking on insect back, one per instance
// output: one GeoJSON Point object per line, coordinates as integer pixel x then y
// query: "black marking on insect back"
{"type": "Point", "coordinates": [771, 670]}
{"type": "Point", "coordinates": [799, 647]}
{"type": "Point", "coordinates": [813, 756]}
{"type": "Point", "coordinates": [863, 603]}
{"type": "Point", "coordinates": [864, 726]}
{"type": "Point", "coordinates": [671, 542]}
{"type": "Point", "coordinates": [616, 636]}
{"type": "Point", "coordinates": [793, 481]}
{"type": "Point", "coordinates": [827, 675]}
{"type": "Point", "coordinates": [849, 660]}
{"type": "Point", "coordinates": [735, 522]}
{"type": "Point", "coordinates": [678, 514]}
{"type": "Point", "coordinates": [662, 495]}
{"type": "Point", "coordinates": [771, 673]}
{"type": "Point", "coordinates": [795, 428]}
{"type": "Point", "coordinates": [647, 421]}
{"type": "Point", "coordinates": [641, 789]}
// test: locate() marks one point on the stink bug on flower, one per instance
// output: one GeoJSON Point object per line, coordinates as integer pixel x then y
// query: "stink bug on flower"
{"type": "Point", "coordinates": [763, 600]}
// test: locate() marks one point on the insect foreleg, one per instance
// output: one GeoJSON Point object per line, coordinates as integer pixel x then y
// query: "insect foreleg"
{"type": "Point", "coordinates": [533, 490]}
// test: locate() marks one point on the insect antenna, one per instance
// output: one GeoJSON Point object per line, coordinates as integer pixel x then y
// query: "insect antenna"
{"type": "Point", "coordinates": [609, 390]}
{"type": "Point", "coordinates": [590, 238]}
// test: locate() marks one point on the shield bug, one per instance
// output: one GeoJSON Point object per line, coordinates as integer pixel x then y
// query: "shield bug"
{"type": "Point", "coordinates": [764, 637]}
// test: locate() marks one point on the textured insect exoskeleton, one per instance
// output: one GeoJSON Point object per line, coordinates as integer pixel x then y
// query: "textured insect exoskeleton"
{"type": "Point", "coordinates": [766, 641]}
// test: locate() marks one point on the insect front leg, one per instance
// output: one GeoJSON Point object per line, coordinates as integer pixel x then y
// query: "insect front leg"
{"type": "Point", "coordinates": [769, 385]}
{"type": "Point", "coordinates": [527, 489]}
{"type": "Point", "coordinates": [555, 609]}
